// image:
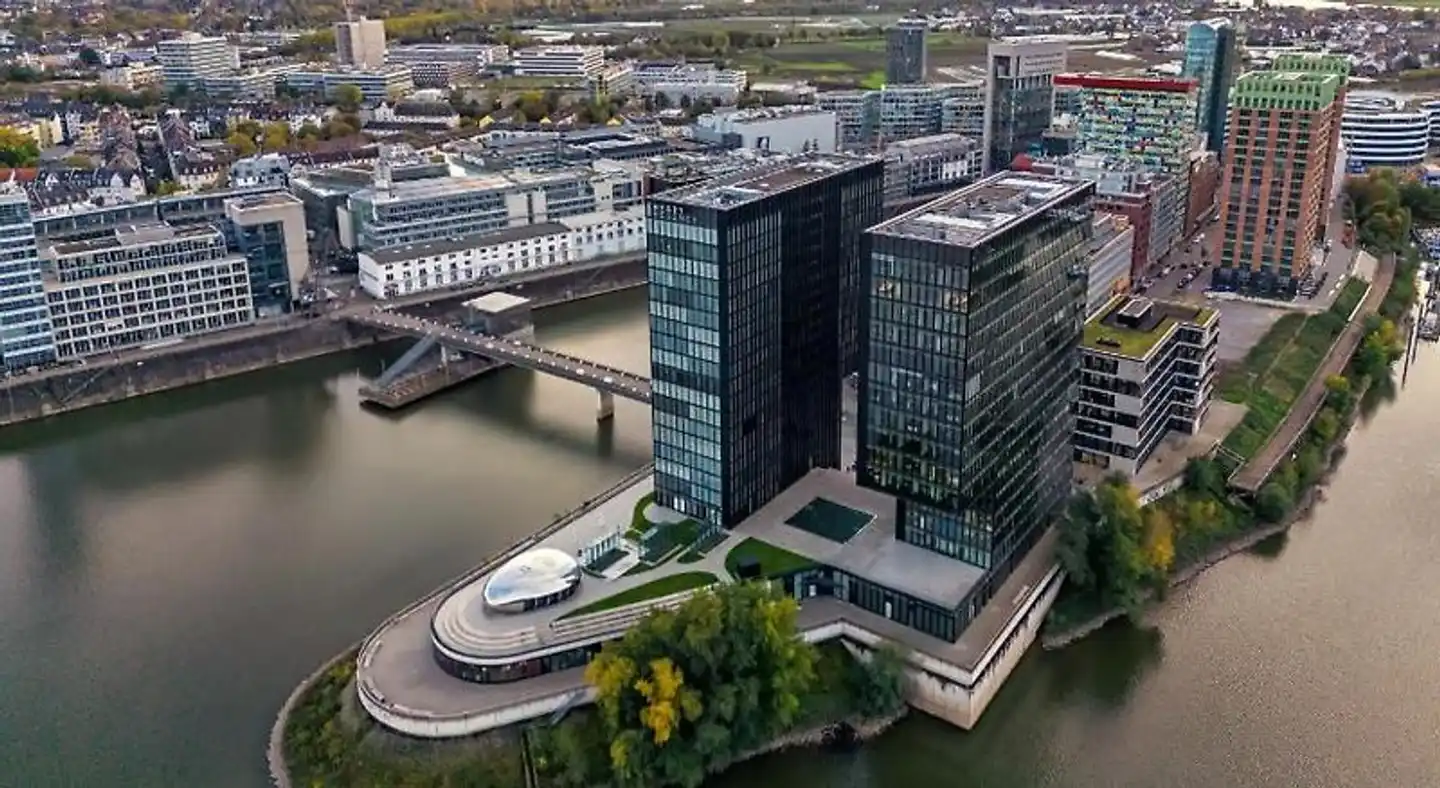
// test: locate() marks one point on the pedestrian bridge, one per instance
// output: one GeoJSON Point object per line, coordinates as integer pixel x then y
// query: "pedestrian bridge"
{"type": "Point", "coordinates": [608, 381]}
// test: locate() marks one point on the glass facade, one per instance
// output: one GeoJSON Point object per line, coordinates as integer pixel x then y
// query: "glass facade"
{"type": "Point", "coordinates": [969, 367]}
{"type": "Point", "coordinates": [752, 325]}
{"type": "Point", "coordinates": [517, 670]}
{"type": "Point", "coordinates": [263, 246]}
{"type": "Point", "coordinates": [26, 337]}
{"type": "Point", "coordinates": [1211, 59]}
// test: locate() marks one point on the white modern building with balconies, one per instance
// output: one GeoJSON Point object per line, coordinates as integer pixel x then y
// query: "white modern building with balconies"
{"type": "Point", "coordinates": [1384, 130]}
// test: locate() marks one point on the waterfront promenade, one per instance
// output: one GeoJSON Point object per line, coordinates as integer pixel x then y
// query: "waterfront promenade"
{"type": "Point", "coordinates": [1253, 475]}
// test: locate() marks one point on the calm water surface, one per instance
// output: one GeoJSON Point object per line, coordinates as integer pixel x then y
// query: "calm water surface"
{"type": "Point", "coordinates": [170, 567]}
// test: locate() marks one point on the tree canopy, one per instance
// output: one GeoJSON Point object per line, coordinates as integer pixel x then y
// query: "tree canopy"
{"type": "Point", "coordinates": [17, 149]}
{"type": "Point", "coordinates": [686, 691]}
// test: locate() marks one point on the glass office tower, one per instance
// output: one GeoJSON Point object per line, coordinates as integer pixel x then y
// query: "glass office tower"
{"type": "Point", "coordinates": [969, 367]}
{"type": "Point", "coordinates": [905, 59]}
{"type": "Point", "coordinates": [1211, 58]}
{"type": "Point", "coordinates": [26, 338]}
{"type": "Point", "coordinates": [751, 279]}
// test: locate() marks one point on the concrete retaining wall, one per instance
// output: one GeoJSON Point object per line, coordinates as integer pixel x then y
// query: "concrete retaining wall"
{"type": "Point", "coordinates": [215, 357]}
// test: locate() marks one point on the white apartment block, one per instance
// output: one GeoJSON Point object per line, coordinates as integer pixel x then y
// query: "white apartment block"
{"type": "Point", "coordinates": [360, 43]}
{"type": "Point", "coordinates": [143, 284]}
{"type": "Point", "coordinates": [135, 76]}
{"type": "Point", "coordinates": [1147, 368]}
{"type": "Point", "coordinates": [578, 62]}
{"type": "Point", "coordinates": [192, 58]}
{"type": "Point", "coordinates": [398, 271]}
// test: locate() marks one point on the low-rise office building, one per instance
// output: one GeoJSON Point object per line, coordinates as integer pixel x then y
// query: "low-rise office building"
{"type": "Point", "coordinates": [679, 82]}
{"type": "Point", "coordinates": [1147, 368]}
{"type": "Point", "coordinates": [402, 270]}
{"type": "Point", "coordinates": [143, 284]}
{"type": "Point", "coordinates": [442, 65]}
{"type": "Point", "coordinates": [395, 212]}
{"type": "Point", "coordinates": [376, 85]}
{"type": "Point", "coordinates": [928, 165]}
{"type": "Point", "coordinates": [578, 62]}
{"type": "Point", "coordinates": [783, 129]}
{"type": "Point", "coordinates": [857, 112]}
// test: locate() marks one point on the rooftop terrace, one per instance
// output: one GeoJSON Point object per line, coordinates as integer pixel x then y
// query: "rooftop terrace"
{"type": "Point", "coordinates": [1133, 327]}
{"type": "Point", "coordinates": [982, 210]}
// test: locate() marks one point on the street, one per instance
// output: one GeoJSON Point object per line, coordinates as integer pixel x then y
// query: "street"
{"type": "Point", "coordinates": [1243, 323]}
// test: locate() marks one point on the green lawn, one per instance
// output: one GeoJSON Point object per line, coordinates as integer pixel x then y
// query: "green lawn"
{"type": "Point", "coordinates": [774, 561]}
{"type": "Point", "coordinates": [1275, 371]}
{"type": "Point", "coordinates": [1349, 297]}
{"type": "Point", "coordinates": [874, 80]}
{"type": "Point", "coordinates": [664, 586]}
{"type": "Point", "coordinates": [1125, 341]}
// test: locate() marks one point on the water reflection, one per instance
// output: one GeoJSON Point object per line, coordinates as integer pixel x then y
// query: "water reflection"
{"type": "Point", "coordinates": [1106, 668]}
{"type": "Point", "coordinates": [1270, 547]}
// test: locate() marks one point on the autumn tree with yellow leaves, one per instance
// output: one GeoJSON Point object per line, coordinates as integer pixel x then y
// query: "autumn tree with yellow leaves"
{"type": "Point", "coordinates": [687, 691]}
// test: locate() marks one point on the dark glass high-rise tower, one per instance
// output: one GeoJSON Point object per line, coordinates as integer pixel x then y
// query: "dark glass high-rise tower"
{"type": "Point", "coordinates": [969, 365]}
{"type": "Point", "coordinates": [752, 277]}
{"type": "Point", "coordinates": [905, 55]}
{"type": "Point", "coordinates": [1212, 56]}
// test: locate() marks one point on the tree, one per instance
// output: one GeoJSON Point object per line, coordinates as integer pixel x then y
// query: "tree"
{"type": "Point", "coordinates": [1106, 545]}
{"type": "Point", "coordinates": [17, 149]}
{"type": "Point", "coordinates": [166, 188]}
{"type": "Point", "coordinates": [686, 691]}
{"type": "Point", "coordinates": [1274, 501]}
{"type": "Point", "coordinates": [89, 57]}
{"type": "Point", "coordinates": [276, 136]}
{"type": "Point", "coordinates": [242, 143]}
{"type": "Point", "coordinates": [1204, 475]}
{"type": "Point", "coordinates": [79, 161]}
{"type": "Point", "coordinates": [349, 97]}
{"type": "Point", "coordinates": [878, 684]}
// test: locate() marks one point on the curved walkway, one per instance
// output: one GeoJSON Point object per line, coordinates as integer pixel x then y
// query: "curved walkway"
{"type": "Point", "coordinates": [1255, 473]}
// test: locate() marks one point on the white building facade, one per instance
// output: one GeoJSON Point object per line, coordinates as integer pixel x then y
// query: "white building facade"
{"type": "Point", "coordinates": [777, 129]}
{"type": "Point", "coordinates": [399, 271]}
{"type": "Point", "coordinates": [578, 62]}
{"type": "Point", "coordinates": [192, 58]}
{"type": "Point", "coordinates": [146, 284]}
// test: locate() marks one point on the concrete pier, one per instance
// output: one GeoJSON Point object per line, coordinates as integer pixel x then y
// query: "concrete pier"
{"type": "Point", "coordinates": [428, 382]}
{"type": "Point", "coordinates": [605, 410]}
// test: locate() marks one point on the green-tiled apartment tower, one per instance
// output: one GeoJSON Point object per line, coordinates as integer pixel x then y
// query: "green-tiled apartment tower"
{"type": "Point", "coordinates": [1280, 164]}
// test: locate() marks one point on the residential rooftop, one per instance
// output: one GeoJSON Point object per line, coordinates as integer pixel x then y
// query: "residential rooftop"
{"type": "Point", "coordinates": [982, 210]}
{"type": "Point", "coordinates": [1131, 326]}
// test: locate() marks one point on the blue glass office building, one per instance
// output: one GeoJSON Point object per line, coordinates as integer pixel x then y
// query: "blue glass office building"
{"type": "Point", "coordinates": [1212, 57]}
{"type": "Point", "coordinates": [970, 363]}
{"type": "Point", "coordinates": [26, 338]}
{"type": "Point", "coordinates": [750, 276]}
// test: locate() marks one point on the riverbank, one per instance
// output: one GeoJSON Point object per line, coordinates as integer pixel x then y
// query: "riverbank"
{"type": "Point", "coordinates": [324, 738]}
{"type": "Point", "coordinates": [220, 356]}
{"type": "Point", "coordinates": [1313, 446]}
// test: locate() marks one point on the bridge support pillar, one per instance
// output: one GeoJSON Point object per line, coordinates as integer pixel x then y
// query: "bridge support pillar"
{"type": "Point", "coordinates": [606, 409]}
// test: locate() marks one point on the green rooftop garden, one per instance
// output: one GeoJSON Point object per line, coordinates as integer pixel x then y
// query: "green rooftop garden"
{"type": "Point", "coordinates": [1130, 341]}
{"type": "Point", "coordinates": [774, 561]}
{"type": "Point", "coordinates": [664, 586]}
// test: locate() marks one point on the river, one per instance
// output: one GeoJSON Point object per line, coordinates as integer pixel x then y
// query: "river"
{"type": "Point", "coordinates": [170, 567]}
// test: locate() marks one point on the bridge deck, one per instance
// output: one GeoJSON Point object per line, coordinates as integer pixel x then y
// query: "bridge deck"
{"type": "Point", "coordinates": [598, 376]}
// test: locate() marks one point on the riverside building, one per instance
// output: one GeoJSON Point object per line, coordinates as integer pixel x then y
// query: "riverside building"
{"type": "Point", "coordinates": [143, 284]}
{"type": "Point", "coordinates": [1281, 168]}
{"type": "Point", "coordinates": [752, 278]}
{"type": "Point", "coordinates": [1384, 130]}
{"type": "Point", "coordinates": [1147, 369]}
{"type": "Point", "coordinates": [910, 525]}
{"type": "Point", "coordinates": [27, 340]}
{"type": "Point", "coordinates": [396, 212]}
{"type": "Point", "coordinates": [269, 231]}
